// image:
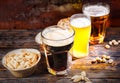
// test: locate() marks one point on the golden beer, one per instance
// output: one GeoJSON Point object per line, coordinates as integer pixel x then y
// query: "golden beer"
{"type": "Point", "coordinates": [99, 14]}
{"type": "Point", "coordinates": [82, 26]}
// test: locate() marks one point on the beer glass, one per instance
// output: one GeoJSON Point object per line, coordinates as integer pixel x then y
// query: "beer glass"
{"type": "Point", "coordinates": [99, 13]}
{"type": "Point", "coordinates": [82, 26]}
{"type": "Point", "coordinates": [56, 42]}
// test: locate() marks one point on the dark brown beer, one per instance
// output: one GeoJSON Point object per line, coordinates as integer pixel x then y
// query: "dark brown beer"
{"type": "Point", "coordinates": [57, 56]}
{"type": "Point", "coordinates": [56, 44]}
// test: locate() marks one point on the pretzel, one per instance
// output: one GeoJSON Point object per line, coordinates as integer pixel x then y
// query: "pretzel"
{"type": "Point", "coordinates": [64, 23]}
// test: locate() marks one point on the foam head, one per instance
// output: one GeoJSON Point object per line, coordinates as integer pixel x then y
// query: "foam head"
{"type": "Point", "coordinates": [79, 21]}
{"type": "Point", "coordinates": [96, 10]}
{"type": "Point", "coordinates": [56, 36]}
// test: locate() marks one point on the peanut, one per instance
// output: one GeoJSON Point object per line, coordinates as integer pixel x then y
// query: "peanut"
{"type": "Point", "coordinates": [107, 46]}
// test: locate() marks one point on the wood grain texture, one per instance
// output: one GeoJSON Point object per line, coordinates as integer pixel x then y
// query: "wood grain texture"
{"type": "Point", "coordinates": [98, 73]}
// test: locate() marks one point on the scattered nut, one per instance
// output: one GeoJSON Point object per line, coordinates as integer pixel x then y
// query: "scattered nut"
{"type": "Point", "coordinates": [110, 43]}
{"type": "Point", "coordinates": [110, 61]}
{"type": "Point", "coordinates": [75, 76]}
{"type": "Point", "coordinates": [77, 79]}
{"type": "Point", "coordinates": [93, 61]}
{"type": "Point", "coordinates": [103, 60]}
{"type": "Point", "coordinates": [115, 43]}
{"type": "Point", "coordinates": [87, 79]}
{"type": "Point", "coordinates": [107, 57]}
{"type": "Point", "coordinates": [81, 77]}
{"type": "Point", "coordinates": [119, 41]}
{"type": "Point", "coordinates": [83, 73]}
{"type": "Point", "coordinates": [98, 59]}
{"type": "Point", "coordinates": [88, 82]}
{"type": "Point", "coordinates": [107, 46]}
{"type": "Point", "coordinates": [104, 56]}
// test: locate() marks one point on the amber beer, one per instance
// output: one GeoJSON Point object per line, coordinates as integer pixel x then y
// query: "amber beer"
{"type": "Point", "coordinates": [99, 14]}
{"type": "Point", "coordinates": [82, 26]}
{"type": "Point", "coordinates": [56, 44]}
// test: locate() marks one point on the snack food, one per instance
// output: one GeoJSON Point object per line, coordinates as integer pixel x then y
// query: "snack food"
{"type": "Point", "coordinates": [21, 62]}
{"type": "Point", "coordinates": [81, 77]}
{"type": "Point", "coordinates": [112, 43]}
{"type": "Point", "coordinates": [64, 23]}
{"type": "Point", "coordinates": [107, 46]}
{"type": "Point", "coordinates": [102, 59]}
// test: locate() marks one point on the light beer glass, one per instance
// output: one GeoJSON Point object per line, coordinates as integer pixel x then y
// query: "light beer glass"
{"type": "Point", "coordinates": [82, 26]}
{"type": "Point", "coordinates": [99, 13]}
{"type": "Point", "coordinates": [56, 42]}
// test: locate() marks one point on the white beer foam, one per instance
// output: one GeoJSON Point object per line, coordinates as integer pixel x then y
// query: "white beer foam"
{"type": "Point", "coordinates": [56, 36]}
{"type": "Point", "coordinates": [96, 10]}
{"type": "Point", "coordinates": [80, 22]}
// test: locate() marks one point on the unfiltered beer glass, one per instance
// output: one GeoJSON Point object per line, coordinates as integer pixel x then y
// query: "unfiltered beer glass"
{"type": "Point", "coordinates": [99, 13]}
{"type": "Point", "coordinates": [82, 26]}
{"type": "Point", "coordinates": [56, 42]}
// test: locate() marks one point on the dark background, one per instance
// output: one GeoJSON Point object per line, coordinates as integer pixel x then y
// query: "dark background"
{"type": "Point", "coordinates": [35, 14]}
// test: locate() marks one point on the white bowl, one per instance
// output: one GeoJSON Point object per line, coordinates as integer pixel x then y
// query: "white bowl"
{"type": "Point", "coordinates": [25, 70]}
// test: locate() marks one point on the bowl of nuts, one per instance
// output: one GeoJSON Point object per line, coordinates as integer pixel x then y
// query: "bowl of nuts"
{"type": "Point", "coordinates": [21, 62]}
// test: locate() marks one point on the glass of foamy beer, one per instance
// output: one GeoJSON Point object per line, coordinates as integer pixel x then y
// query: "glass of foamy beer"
{"type": "Point", "coordinates": [99, 13]}
{"type": "Point", "coordinates": [56, 42]}
{"type": "Point", "coordinates": [82, 26]}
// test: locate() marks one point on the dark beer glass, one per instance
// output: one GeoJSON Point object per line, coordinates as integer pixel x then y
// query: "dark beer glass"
{"type": "Point", "coordinates": [56, 43]}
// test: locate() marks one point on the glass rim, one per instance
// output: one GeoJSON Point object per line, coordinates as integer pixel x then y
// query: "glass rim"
{"type": "Point", "coordinates": [96, 3]}
{"type": "Point", "coordinates": [79, 15]}
{"type": "Point", "coordinates": [72, 35]}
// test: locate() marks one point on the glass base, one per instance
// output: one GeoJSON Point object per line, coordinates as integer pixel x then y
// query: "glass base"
{"type": "Point", "coordinates": [58, 73]}
{"type": "Point", "coordinates": [77, 55]}
{"type": "Point", "coordinates": [62, 72]}
{"type": "Point", "coordinates": [96, 40]}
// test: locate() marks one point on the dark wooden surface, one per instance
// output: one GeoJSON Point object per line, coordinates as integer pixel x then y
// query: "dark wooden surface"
{"type": "Point", "coordinates": [98, 73]}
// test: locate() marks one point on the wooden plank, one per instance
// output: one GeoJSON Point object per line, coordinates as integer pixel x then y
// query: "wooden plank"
{"type": "Point", "coordinates": [98, 73]}
{"type": "Point", "coordinates": [93, 70]}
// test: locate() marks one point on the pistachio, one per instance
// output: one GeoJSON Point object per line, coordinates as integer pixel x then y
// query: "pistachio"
{"type": "Point", "coordinates": [98, 59]}
{"type": "Point", "coordinates": [93, 61]}
{"type": "Point", "coordinates": [75, 76]}
{"type": "Point", "coordinates": [115, 43]}
{"type": "Point", "coordinates": [110, 43]}
{"type": "Point", "coordinates": [108, 57]}
{"type": "Point", "coordinates": [107, 46]}
{"type": "Point", "coordinates": [87, 79]}
{"type": "Point", "coordinates": [119, 41]}
{"type": "Point", "coordinates": [110, 61]}
{"type": "Point", "coordinates": [77, 79]}
{"type": "Point", "coordinates": [83, 73]}
{"type": "Point", "coordinates": [103, 60]}
{"type": "Point", "coordinates": [104, 56]}
{"type": "Point", "coordinates": [81, 77]}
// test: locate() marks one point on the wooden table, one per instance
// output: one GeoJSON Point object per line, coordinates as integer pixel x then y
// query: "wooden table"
{"type": "Point", "coordinates": [98, 73]}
